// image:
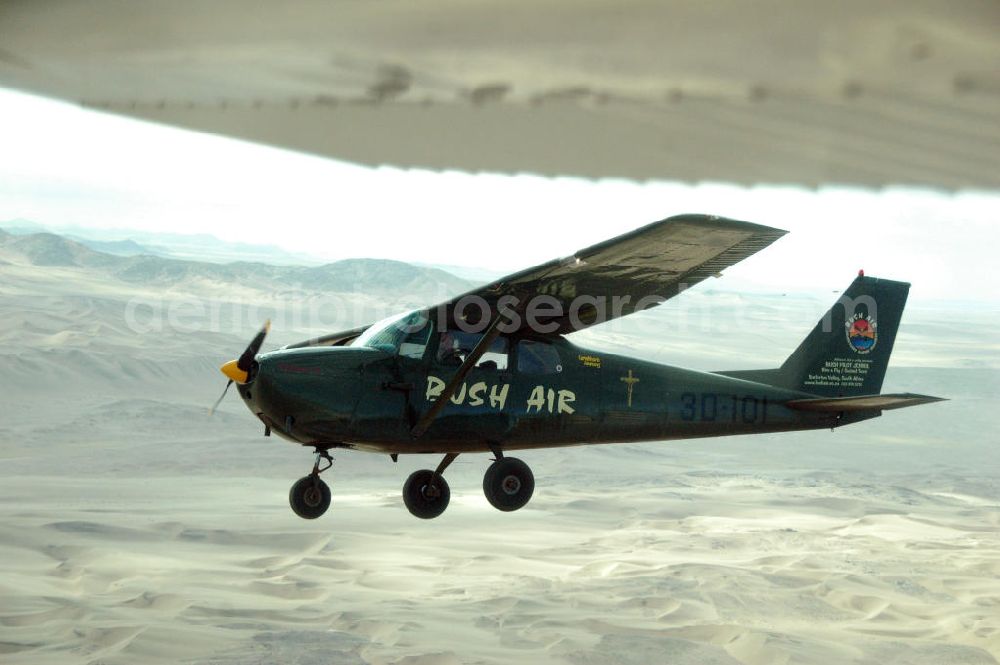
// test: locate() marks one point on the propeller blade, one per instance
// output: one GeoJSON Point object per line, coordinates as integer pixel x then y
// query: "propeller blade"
{"type": "Point", "coordinates": [239, 370]}
{"type": "Point", "coordinates": [211, 411]}
{"type": "Point", "coordinates": [253, 349]}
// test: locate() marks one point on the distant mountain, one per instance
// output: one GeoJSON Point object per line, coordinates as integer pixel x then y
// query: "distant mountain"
{"type": "Point", "coordinates": [200, 247]}
{"type": "Point", "coordinates": [132, 242]}
{"type": "Point", "coordinates": [49, 249]}
{"type": "Point", "coordinates": [22, 227]}
{"type": "Point", "coordinates": [372, 276]}
{"type": "Point", "coordinates": [117, 247]}
{"type": "Point", "coordinates": [471, 273]}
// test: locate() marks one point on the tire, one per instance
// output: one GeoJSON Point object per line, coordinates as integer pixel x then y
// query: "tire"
{"type": "Point", "coordinates": [508, 484]}
{"type": "Point", "coordinates": [426, 494]}
{"type": "Point", "coordinates": [309, 497]}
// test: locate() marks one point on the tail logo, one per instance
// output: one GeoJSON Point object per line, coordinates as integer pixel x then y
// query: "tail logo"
{"type": "Point", "coordinates": [862, 333]}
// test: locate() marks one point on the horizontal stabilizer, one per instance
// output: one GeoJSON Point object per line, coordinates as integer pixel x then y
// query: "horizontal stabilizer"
{"type": "Point", "coordinates": [862, 402]}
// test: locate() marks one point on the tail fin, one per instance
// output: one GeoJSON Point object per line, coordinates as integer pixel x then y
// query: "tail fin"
{"type": "Point", "coordinates": [848, 351]}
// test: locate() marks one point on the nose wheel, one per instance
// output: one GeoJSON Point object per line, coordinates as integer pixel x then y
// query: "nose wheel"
{"type": "Point", "coordinates": [508, 484]}
{"type": "Point", "coordinates": [310, 496]}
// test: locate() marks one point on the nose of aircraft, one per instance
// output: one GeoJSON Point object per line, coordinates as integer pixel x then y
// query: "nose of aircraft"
{"type": "Point", "coordinates": [303, 394]}
{"type": "Point", "coordinates": [309, 395]}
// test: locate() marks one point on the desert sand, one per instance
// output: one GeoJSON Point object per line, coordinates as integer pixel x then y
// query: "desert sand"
{"type": "Point", "coordinates": [134, 528]}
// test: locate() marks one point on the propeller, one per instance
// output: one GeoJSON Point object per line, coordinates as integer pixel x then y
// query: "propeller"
{"type": "Point", "coordinates": [211, 412]}
{"type": "Point", "coordinates": [239, 370]}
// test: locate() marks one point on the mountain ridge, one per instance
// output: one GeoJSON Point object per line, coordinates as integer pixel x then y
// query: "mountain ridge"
{"type": "Point", "coordinates": [127, 242]}
{"type": "Point", "coordinates": [370, 275]}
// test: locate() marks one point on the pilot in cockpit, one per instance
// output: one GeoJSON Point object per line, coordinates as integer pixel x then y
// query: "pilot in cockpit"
{"type": "Point", "coordinates": [449, 350]}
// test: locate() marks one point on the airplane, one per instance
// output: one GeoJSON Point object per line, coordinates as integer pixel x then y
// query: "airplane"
{"type": "Point", "coordinates": [492, 370]}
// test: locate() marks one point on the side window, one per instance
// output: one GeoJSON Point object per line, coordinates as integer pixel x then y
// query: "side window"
{"type": "Point", "coordinates": [415, 343]}
{"type": "Point", "coordinates": [455, 345]}
{"type": "Point", "coordinates": [537, 358]}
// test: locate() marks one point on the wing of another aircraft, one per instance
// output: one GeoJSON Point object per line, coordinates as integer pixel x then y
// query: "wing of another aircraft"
{"type": "Point", "coordinates": [615, 278]}
{"type": "Point", "coordinates": [894, 92]}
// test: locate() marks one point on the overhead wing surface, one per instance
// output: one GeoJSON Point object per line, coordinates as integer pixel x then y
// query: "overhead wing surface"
{"type": "Point", "coordinates": [615, 278]}
{"type": "Point", "coordinates": [772, 91]}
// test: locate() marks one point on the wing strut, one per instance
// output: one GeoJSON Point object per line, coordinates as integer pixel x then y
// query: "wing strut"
{"type": "Point", "coordinates": [470, 361]}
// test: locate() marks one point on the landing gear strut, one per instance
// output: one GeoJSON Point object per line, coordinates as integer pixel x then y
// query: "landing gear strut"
{"type": "Point", "coordinates": [426, 493]}
{"type": "Point", "coordinates": [310, 496]}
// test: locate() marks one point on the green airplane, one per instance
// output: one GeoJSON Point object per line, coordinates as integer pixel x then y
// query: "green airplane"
{"type": "Point", "coordinates": [493, 371]}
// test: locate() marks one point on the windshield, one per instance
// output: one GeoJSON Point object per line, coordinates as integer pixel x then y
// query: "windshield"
{"type": "Point", "coordinates": [405, 334]}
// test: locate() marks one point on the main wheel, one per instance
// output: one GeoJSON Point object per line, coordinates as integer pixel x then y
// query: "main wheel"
{"type": "Point", "coordinates": [309, 497]}
{"type": "Point", "coordinates": [508, 484]}
{"type": "Point", "coordinates": [426, 494]}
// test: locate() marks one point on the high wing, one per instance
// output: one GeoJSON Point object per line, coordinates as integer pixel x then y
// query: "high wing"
{"type": "Point", "coordinates": [617, 277]}
{"type": "Point", "coordinates": [626, 274]}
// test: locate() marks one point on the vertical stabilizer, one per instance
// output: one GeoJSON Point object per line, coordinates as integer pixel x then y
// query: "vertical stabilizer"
{"type": "Point", "coordinates": [847, 353]}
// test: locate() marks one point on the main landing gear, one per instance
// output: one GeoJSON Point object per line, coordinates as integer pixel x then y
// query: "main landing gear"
{"type": "Point", "coordinates": [310, 496]}
{"type": "Point", "coordinates": [508, 485]}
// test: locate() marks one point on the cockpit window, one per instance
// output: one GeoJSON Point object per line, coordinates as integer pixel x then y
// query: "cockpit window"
{"type": "Point", "coordinates": [405, 334]}
{"type": "Point", "coordinates": [455, 345]}
{"type": "Point", "coordinates": [537, 358]}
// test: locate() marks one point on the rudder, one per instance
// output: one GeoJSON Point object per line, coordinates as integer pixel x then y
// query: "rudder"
{"type": "Point", "coordinates": [847, 353]}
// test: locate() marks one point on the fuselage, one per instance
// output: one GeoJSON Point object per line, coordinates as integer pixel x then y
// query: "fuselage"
{"type": "Point", "coordinates": [529, 394]}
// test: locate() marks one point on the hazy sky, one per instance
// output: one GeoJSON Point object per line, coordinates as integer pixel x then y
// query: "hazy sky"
{"type": "Point", "coordinates": [62, 165]}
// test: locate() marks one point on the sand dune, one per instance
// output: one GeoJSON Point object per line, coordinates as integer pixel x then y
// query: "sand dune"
{"type": "Point", "coordinates": [136, 529]}
{"type": "Point", "coordinates": [169, 568]}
